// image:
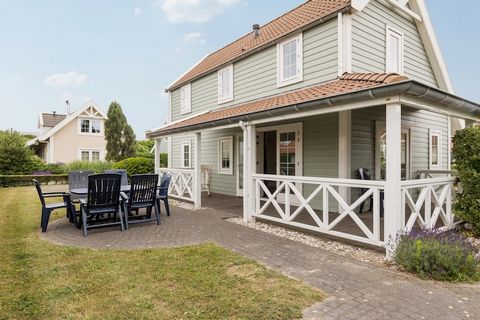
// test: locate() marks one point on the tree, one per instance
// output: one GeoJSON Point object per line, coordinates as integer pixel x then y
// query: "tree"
{"type": "Point", "coordinates": [119, 134]}
{"type": "Point", "coordinates": [15, 156]}
{"type": "Point", "coordinates": [466, 152]}
{"type": "Point", "coordinates": [143, 149]}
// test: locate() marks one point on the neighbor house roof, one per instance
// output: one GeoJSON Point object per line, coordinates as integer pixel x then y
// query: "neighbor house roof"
{"type": "Point", "coordinates": [52, 119]}
{"type": "Point", "coordinates": [349, 82]}
{"type": "Point", "coordinates": [302, 17]}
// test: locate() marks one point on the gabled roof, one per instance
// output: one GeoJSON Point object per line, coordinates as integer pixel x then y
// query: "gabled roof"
{"type": "Point", "coordinates": [348, 83]}
{"type": "Point", "coordinates": [307, 15]}
{"type": "Point", "coordinates": [302, 17]}
{"type": "Point", "coordinates": [89, 105]}
{"type": "Point", "coordinates": [51, 119]}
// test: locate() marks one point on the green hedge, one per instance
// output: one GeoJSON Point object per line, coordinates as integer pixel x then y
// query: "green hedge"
{"type": "Point", "coordinates": [26, 180]}
{"type": "Point", "coordinates": [136, 166]}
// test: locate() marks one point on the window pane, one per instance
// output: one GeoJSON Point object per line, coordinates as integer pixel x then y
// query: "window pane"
{"type": "Point", "coordinates": [95, 126]}
{"type": "Point", "coordinates": [85, 126]}
{"type": "Point", "coordinates": [95, 155]}
{"type": "Point", "coordinates": [290, 59]}
{"type": "Point", "coordinates": [435, 150]}
{"type": "Point", "coordinates": [85, 156]}
{"type": "Point", "coordinates": [394, 54]}
{"type": "Point", "coordinates": [287, 153]}
{"type": "Point", "coordinates": [186, 155]}
{"type": "Point", "coordinates": [226, 83]}
{"type": "Point", "coordinates": [225, 154]}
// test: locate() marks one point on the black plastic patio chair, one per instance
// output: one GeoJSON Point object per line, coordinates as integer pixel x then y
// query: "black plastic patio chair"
{"type": "Point", "coordinates": [47, 208]}
{"type": "Point", "coordinates": [163, 193]}
{"type": "Point", "coordinates": [364, 174]}
{"type": "Point", "coordinates": [143, 191]}
{"type": "Point", "coordinates": [78, 180]}
{"type": "Point", "coordinates": [102, 208]}
{"type": "Point", "coordinates": [121, 172]}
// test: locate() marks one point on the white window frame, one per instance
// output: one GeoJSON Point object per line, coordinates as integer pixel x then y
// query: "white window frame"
{"type": "Point", "coordinates": [225, 171]}
{"type": "Point", "coordinates": [391, 32]}
{"type": "Point", "coordinates": [438, 134]}
{"type": "Point", "coordinates": [186, 99]}
{"type": "Point", "coordinates": [221, 98]}
{"type": "Point", "coordinates": [281, 81]}
{"type": "Point", "coordinates": [182, 154]}
{"type": "Point", "coordinates": [90, 154]}
{"type": "Point", "coordinates": [89, 133]}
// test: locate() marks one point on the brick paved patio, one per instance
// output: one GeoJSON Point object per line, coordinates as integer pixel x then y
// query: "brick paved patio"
{"type": "Point", "coordinates": [357, 290]}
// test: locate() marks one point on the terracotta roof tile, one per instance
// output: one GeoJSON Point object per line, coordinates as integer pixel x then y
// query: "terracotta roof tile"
{"type": "Point", "coordinates": [298, 18]}
{"type": "Point", "coordinates": [52, 119]}
{"type": "Point", "coordinates": [346, 84]}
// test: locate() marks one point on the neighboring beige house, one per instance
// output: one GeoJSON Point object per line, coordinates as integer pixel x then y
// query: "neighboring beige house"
{"type": "Point", "coordinates": [66, 138]}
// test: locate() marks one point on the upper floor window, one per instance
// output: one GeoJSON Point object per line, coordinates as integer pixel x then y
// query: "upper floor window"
{"type": "Point", "coordinates": [186, 99]}
{"type": "Point", "coordinates": [435, 149]}
{"type": "Point", "coordinates": [225, 84]}
{"type": "Point", "coordinates": [90, 126]}
{"type": "Point", "coordinates": [186, 154]}
{"type": "Point", "coordinates": [394, 51]}
{"type": "Point", "coordinates": [290, 61]}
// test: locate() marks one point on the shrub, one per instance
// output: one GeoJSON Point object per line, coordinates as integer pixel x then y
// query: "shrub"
{"type": "Point", "coordinates": [136, 166]}
{"type": "Point", "coordinates": [26, 180]}
{"type": "Point", "coordinates": [466, 152]}
{"type": "Point", "coordinates": [56, 168]}
{"type": "Point", "coordinates": [15, 156]}
{"type": "Point", "coordinates": [164, 160]}
{"type": "Point", "coordinates": [444, 256]}
{"type": "Point", "coordinates": [97, 166]}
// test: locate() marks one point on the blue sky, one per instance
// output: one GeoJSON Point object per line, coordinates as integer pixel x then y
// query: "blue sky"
{"type": "Point", "coordinates": [130, 50]}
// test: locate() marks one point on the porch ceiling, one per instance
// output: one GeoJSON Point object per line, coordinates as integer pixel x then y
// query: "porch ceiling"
{"type": "Point", "coordinates": [350, 88]}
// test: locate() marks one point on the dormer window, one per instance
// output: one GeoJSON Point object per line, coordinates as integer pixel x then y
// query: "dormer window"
{"type": "Point", "coordinates": [394, 51]}
{"type": "Point", "coordinates": [225, 84]}
{"type": "Point", "coordinates": [186, 99]}
{"type": "Point", "coordinates": [290, 61]}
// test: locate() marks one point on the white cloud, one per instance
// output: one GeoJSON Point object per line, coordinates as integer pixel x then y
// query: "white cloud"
{"type": "Point", "coordinates": [68, 79]}
{"type": "Point", "coordinates": [137, 11]}
{"type": "Point", "coordinates": [194, 37]}
{"type": "Point", "coordinates": [196, 11]}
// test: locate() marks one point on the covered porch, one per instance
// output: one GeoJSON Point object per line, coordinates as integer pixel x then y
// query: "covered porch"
{"type": "Point", "coordinates": [321, 192]}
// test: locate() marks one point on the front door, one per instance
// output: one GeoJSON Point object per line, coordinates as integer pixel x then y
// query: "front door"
{"type": "Point", "coordinates": [280, 153]}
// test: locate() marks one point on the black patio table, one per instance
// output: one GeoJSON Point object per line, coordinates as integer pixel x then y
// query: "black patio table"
{"type": "Point", "coordinates": [84, 191]}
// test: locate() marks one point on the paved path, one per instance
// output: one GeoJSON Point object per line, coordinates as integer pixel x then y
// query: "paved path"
{"type": "Point", "coordinates": [357, 290]}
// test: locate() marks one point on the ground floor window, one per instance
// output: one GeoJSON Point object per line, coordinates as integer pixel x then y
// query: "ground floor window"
{"type": "Point", "coordinates": [186, 153]}
{"type": "Point", "coordinates": [225, 155]}
{"type": "Point", "coordinates": [435, 149]}
{"type": "Point", "coordinates": [89, 155]}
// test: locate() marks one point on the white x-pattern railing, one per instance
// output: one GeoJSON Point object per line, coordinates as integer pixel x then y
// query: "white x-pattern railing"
{"type": "Point", "coordinates": [182, 183]}
{"type": "Point", "coordinates": [323, 188]}
{"type": "Point", "coordinates": [426, 201]}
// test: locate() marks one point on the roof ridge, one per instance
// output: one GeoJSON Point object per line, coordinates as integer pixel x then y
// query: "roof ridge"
{"type": "Point", "coordinates": [374, 77]}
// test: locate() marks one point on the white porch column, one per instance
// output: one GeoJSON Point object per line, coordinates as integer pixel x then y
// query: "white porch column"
{"type": "Point", "coordinates": [344, 151]}
{"type": "Point", "coordinates": [198, 170]}
{"type": "Point", "coordinates": [393, 203]}
{"type": "Point", "coordinates": [158, 141]}
{"type": "Point", "coordinates": [249, 168]}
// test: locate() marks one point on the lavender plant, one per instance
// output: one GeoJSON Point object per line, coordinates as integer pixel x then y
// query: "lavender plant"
{"type": "Point", "coordinates": [443, 256]}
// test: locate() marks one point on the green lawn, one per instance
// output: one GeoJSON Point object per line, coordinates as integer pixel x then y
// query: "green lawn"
{"type": "Point", "coordinates": [39, 280]}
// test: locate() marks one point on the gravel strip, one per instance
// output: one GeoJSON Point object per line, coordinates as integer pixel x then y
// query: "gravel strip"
{"type": "Point", "coordinates": [181, 204]}
{"type": "Point", "coordinates": [343, 249]}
